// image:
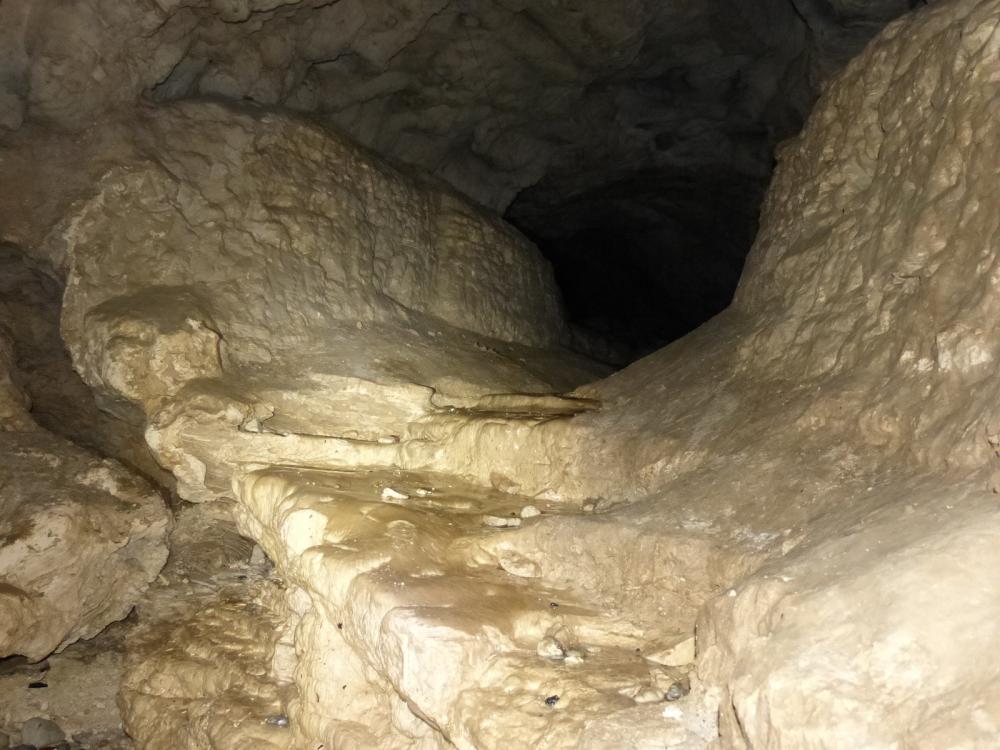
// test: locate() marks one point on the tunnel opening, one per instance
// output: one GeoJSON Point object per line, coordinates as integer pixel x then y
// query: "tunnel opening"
{"type": "Point", "coordinates": [644, 261]}
{"type": "Point", "coordinates": [648, 213]}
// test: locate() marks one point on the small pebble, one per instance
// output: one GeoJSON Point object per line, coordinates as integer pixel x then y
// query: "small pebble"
{"type": "Point", "coordinates": [277, 720]}
{"type": "Point", "coordinates": [589, 507]}
{"type": "Point", "coordinates": [388, 440]}
{"type": "Point", "coordinates": [648, 695]}
{"type": "Point", "coordinates": [424, 491]}
{"type": "Point", "coordinates": [550, 648]}
{"type": "Point", "coordinates": [574, 656]}
{"type": "Point", "coordinates": [552, 700]}
{"type": "Point", "coordinates": [41, 732]}
{"type": "Point", "coordinates": [499, 522]}
{"type": "Point", "coordinates": [530, 511]}
{"type": "Point", "coordinates": [389, 494]}
{"type": "Point", "coordinates": [672, 712]}
{"type": "Point", "coordinates": [677, 691]}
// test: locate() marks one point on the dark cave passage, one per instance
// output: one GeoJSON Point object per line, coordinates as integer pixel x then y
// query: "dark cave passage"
{"type": "Point", "coordinates": [645, 260]}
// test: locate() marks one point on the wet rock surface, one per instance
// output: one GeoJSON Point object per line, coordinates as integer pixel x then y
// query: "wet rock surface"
{"type": "Point", "coordinates": [422, 589]}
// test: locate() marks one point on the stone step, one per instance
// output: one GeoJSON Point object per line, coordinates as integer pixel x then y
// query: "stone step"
{"type": "Point", "coordinates": [490, 655]}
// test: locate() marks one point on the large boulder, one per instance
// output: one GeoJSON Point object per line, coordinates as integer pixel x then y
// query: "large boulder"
{"type": "Point", "coordinates": [263, 224]}
{"type": "Point", "coordinates": [875, 277]}
{"type": "Point", "coordinates": [80, 536]}
{"type": "Point", "coordinates": [298, 300]}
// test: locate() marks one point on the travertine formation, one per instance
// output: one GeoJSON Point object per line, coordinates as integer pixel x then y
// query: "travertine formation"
{"type": "Point", "coordinates": [298, 300]}
{"type": "Point", "coordinates": [779, 532]}
{"type": "Point", "coordinates": [418, 601]}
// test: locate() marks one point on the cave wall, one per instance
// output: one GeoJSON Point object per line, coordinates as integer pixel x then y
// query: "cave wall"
{"type": "Point", "coordinates": [664, 116]}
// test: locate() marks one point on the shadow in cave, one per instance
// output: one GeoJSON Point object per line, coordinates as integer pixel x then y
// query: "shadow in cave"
{"type": "Point", "coordinates": [644, 260]}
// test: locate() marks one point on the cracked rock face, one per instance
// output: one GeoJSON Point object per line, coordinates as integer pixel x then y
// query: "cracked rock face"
{"type": "Point", "coordinates": [80, 537]}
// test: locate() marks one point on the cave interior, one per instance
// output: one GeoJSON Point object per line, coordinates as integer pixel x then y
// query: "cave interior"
{"type": "Point", "coordinates": [418, 374]}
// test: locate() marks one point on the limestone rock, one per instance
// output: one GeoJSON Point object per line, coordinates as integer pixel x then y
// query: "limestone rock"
{"type": "Point", "coordinates": [80, 538]}
{"type": "Point", "coordinates": [806, 477]}
{"type": "Point", "coordinates": [314, 301]}
{"type": "Point", "coordinates": [878, 213]}
{"type": "Point", "coordinates": [60, 402]}
{"type": "Point", "coordinates": [637, 124]}
{"type": "Point", "coordinates": [199, 669]}
{"type": "Point", "coordinates": [839, 416]}
{"type": "Point", "coordinates": [872, 636]}
{"type": "Point", "coordinates": [409, 599]}
{"type": "Point", "coordinates": [315, 230]}
{"type": "Point", "coordinates": [490, 97]}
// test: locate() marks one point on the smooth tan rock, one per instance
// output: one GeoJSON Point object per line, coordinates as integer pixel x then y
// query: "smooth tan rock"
{"type": "Point", "coordinates": [872, 636]}
{"type": "Point", "coordinates": [248, 223]}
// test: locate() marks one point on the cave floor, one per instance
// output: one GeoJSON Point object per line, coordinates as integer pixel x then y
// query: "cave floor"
{"type": "Point", "coordinates": [517, 637]}
{"type": "Point", "coordinates": [76, 688]}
